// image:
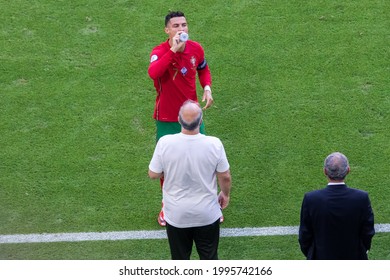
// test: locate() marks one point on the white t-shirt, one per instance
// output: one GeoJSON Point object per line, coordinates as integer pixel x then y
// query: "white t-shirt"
{"type": "Point", "coordinates": [190, 163]}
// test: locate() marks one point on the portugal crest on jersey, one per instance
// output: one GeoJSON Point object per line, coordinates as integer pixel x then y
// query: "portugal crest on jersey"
{"type": "Point", "coordinates": [193, 61]}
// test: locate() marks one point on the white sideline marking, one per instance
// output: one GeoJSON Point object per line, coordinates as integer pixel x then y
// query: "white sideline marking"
{"type": "Point", "coordinates": [151, 234]}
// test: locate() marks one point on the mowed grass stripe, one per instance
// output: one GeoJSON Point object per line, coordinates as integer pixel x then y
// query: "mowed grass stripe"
{"type": "Point", "coordinates": [152, 234]}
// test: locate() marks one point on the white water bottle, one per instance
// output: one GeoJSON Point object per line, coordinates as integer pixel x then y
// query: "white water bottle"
{"type": "Point", "coordinates": [183, 37]}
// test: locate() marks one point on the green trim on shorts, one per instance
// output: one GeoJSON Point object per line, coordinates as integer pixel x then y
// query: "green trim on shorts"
{"type": "Point", "coordinates": [165, 128]}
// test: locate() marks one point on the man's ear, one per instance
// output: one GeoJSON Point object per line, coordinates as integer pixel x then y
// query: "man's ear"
{"type": "Point", "coordinates": [325, 172]}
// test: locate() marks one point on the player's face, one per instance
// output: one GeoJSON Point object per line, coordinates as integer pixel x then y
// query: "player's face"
{"type": "Point", "coordinates": [175, 25]}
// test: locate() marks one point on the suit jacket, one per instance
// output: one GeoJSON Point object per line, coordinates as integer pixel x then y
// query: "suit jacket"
{"type": "Point", "coordinates": [337, 223]}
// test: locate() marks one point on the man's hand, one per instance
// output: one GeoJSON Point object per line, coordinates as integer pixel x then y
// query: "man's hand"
{"type": "Point", "coordinates": [208, 98]}
{"type": "Point", "coordinates": [223, 200]}
{"type": "Point", "coordinates": [225, 183]}
{"type": "Point", "coordinates": [176, 44]}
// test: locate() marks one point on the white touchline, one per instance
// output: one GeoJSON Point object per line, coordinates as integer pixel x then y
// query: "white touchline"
{"type": "Point", "coordinates": [150, 234]}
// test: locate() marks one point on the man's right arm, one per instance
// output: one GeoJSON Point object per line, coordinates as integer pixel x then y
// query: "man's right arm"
{"type": "Point", "coordinates": [225, 184]}
{"type": "Point", "coordinates": [159, 63]}
{"type": "Point", "coordinates": [368, 229]}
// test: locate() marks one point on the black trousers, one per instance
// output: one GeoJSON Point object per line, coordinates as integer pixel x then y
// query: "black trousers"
{"type": "Point", "coordinates": [206, 240]}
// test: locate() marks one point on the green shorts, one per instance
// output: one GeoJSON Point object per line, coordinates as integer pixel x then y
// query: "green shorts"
{"type": "Point", "coordinates": [164, 128]}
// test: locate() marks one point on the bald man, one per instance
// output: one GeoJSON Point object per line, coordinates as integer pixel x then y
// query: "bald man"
{"type": "Point", "coordinates": [193, 165]}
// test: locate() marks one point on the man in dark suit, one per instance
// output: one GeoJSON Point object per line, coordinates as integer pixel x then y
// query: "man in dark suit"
{"type": "Point", "coordinates": [337, 222]}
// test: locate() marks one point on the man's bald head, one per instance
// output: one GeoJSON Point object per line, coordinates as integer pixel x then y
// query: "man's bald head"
{"type": "Point", "coordinates": [190, 115]}
{"type": "Point", "coordinates": [336, 166]}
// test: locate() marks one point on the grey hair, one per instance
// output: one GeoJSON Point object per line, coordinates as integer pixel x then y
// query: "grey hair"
{"type": "Point", "coordinates": [194, 123]}
{"type": "Point", "coordinates": [336, 166]}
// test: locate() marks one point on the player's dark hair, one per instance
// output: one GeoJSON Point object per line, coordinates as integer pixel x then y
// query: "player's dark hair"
{"type": "Point", "coordinates": [172, 15]}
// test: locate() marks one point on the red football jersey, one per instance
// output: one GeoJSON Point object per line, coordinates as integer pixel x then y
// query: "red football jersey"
{"type": "Point", "coordinates": [174, 76]}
